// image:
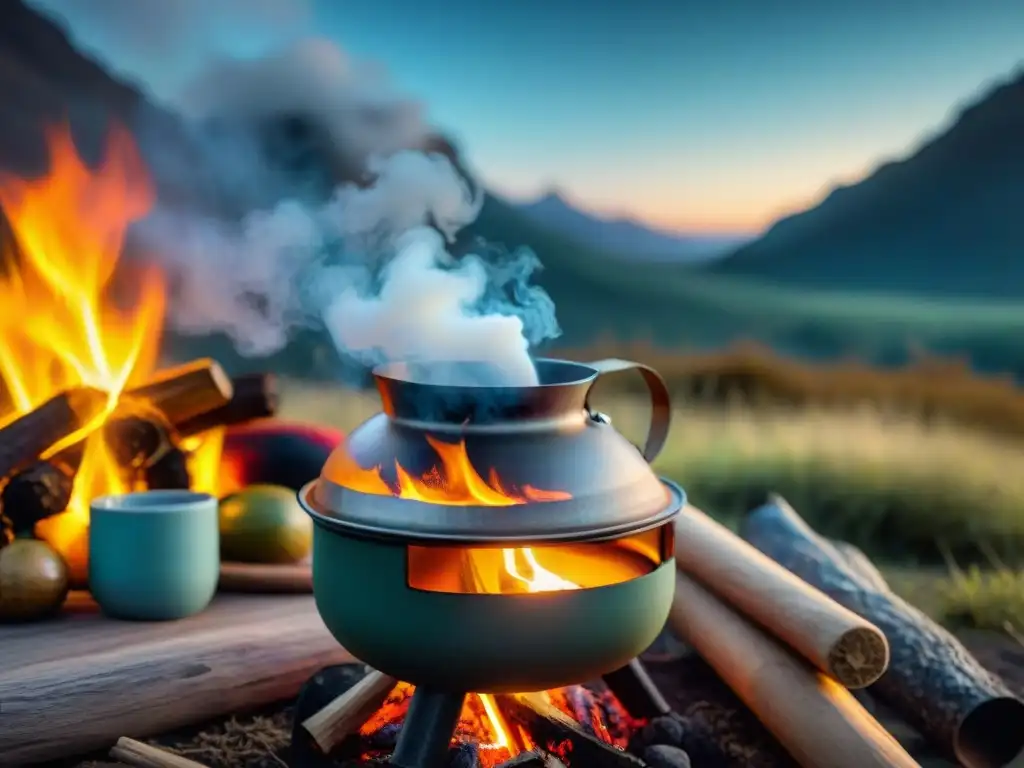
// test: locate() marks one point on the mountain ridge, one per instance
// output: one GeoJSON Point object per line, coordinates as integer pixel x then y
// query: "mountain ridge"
{"type": "Point", "coordinates": [622, 235]}
{"type": "Point", "coordinates": [941, 221]}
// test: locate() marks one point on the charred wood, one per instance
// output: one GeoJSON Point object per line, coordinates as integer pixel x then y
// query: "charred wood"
{"type": "Point", "coordinates": [186, 391]}
{"type": "Point", "coordinates": [36, 493]}
{"type": "Point", "coordinates": [169, 472]}
{"type": "Point", "coordinates": [556, 732]}
{"type": "Point", "coordinates": [138, 440]}
{"type": "Point", "coordinates": [256, 396]}
{"type": "Point", "coordinates": [636, 691]}
{"type": "Point", "coordinates": [29, 437]}
{"type": "Point", "coordinates": [933, 682]}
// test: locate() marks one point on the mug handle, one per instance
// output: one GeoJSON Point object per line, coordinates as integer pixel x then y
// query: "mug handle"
{"type": "Point", "coordinates": [661, 405]}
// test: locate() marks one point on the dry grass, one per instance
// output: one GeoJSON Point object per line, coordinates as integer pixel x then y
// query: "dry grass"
{"type": "Point", "coordinates": [931, 387]}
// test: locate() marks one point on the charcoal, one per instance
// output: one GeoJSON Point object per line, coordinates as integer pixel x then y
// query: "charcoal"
{"type": "Point", "coordinates": [664, 756]}
{"type": "Point", "coordinates": [37, 492]}
{"type": "Point", "coordinates": [464, 756]}
{"type": "Point", "coordinates": [668, 731]}
{"type": "Point", "coordinates": [533, 759]}
{"type": "Point", "coordinates": [385, 737]}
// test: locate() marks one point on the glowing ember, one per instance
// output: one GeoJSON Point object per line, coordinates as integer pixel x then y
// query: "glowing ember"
{"type": "Point", "coordinates": [482, 723]}
{"type": "Point", "coordinates": [59, 323]}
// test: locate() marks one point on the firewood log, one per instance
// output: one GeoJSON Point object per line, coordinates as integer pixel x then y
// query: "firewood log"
{"type": "Point", "coordinates": [138, 439]}
{"type": "Point", "coordinates": [833, 638]}
{"type": "Point", "coordinates": [33, 434]}
{"type": "Point", "coordinates": [817, 720]}
{"type": "Point", "coordinates": [933, 682]}
{"type": "Point", "coordinates": [186, 391]}
{"type": "Point", "coordinates": [256, 396]}
{"type": "Point", "coordinates": [36, 493]}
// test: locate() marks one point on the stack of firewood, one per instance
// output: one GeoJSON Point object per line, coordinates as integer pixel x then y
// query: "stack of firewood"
{"type": "Point", "coordinates": [791, 622]}
{"type": "Point", "coordinates": [147, 432]}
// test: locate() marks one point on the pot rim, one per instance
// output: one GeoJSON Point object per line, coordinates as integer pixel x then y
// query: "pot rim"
{"type": "Point", "coordinates": [408, 527]}
{"type": "Point", "coordinates": [393, 372]}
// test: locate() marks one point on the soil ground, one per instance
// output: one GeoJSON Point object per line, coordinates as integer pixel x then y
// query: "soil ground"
{"type": "Point", "coordinates": [260, 740]}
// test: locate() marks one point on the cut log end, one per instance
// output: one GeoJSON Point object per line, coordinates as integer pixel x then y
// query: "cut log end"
{"type": "Point", "coordinates": [990, 735]}
{"type": "Point", "coordinates": [343, 716]}
{"type": "Point", "coordinates": [859, 657]}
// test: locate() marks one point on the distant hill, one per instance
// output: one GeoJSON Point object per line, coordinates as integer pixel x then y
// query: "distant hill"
{"type": "Point", "coordinates": [627, 237]}
{"type": "Point", "coordinates": [946, 221]}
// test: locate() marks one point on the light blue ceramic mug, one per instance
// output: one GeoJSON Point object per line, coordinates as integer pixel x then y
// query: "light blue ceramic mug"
{"type": "Point", "coordinates": [154, 555]}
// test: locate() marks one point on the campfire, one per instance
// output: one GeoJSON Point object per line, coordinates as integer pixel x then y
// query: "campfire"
{"type": "Point", "coordinates": [494, 729]}
{"type": "Point", "coordinates": [84, 411]}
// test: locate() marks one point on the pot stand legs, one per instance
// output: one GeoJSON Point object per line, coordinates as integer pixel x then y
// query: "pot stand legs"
{"type": "Point", "coordinates": [428, 728]}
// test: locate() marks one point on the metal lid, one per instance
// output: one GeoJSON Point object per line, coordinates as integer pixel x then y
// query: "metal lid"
{"type": "Point", "coordinates": [487, 464]}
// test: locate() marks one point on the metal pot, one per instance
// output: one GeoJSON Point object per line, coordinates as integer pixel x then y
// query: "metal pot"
{"type": "Point", "coordinates": [495, 539]}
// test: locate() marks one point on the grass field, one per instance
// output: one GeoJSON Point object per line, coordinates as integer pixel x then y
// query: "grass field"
{"type": "Point", "coordinates": [939, 505]}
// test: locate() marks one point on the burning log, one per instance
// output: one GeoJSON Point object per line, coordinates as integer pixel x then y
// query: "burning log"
{"type": "Point", "coordinates": [558, 733]}
{"type": "Point", "coordinates": [36, 493]}
{"type": "Point", "coordinates": [833, 638]}
{"type": "Point", "coordinates": [186, 391]}
{"type": "Point", "coordinates": [169, 472]}
{"type": "Point", "coordinates": [132, 752]}
{"type": "Point", "coordinates": [343, 716]}
{"type": "Point", "coordinates": [256, 396]}
{"type": "Point", "coordinates": [933, 681]}
{"type": "Point", "coordinates": [138, 440]}
{"type": "Point", "coordinates": [28, 437]}
{"type": "Point", "coordinates": [141, 440]}
{"type": "Point", "coordinates": [818, 721]}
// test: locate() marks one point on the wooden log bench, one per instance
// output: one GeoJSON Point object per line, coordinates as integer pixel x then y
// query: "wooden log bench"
{"type": "Point", "coordinates": [75, 683]}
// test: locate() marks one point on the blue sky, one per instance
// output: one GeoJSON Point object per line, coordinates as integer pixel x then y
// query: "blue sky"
{"type": "Point", "coordinates": [705, 115]}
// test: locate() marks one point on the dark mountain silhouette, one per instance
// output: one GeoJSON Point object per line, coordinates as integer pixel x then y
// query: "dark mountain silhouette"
{"type": "Point", "coordinates": [624, 236]}
{"type": "Point", "coordinates": [945, 221]}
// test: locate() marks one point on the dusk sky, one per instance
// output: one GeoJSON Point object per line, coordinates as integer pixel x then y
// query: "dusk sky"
{"type": "Point", "coordinates": [709, 115]}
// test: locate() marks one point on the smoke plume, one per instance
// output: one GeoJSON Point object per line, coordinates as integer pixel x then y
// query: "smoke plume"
{"type": "Point", "coordinates": [370, 264]}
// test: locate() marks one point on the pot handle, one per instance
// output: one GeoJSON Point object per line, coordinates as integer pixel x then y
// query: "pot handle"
{"type": "Point", "coordinates": [661, 404]}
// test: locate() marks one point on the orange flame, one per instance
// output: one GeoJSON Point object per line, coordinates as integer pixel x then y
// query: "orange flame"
{"type": "Point", "coordinates": [60, 324]}
{"type": "Point", "coordinates": [498, 740]}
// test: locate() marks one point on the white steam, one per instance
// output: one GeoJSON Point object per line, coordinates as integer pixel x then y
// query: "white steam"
{"type": "Point", "coordinates": [371, 266]}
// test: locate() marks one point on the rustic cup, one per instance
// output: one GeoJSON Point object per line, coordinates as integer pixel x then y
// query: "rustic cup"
{"type": "Point", "coordinates": [154, 555]}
